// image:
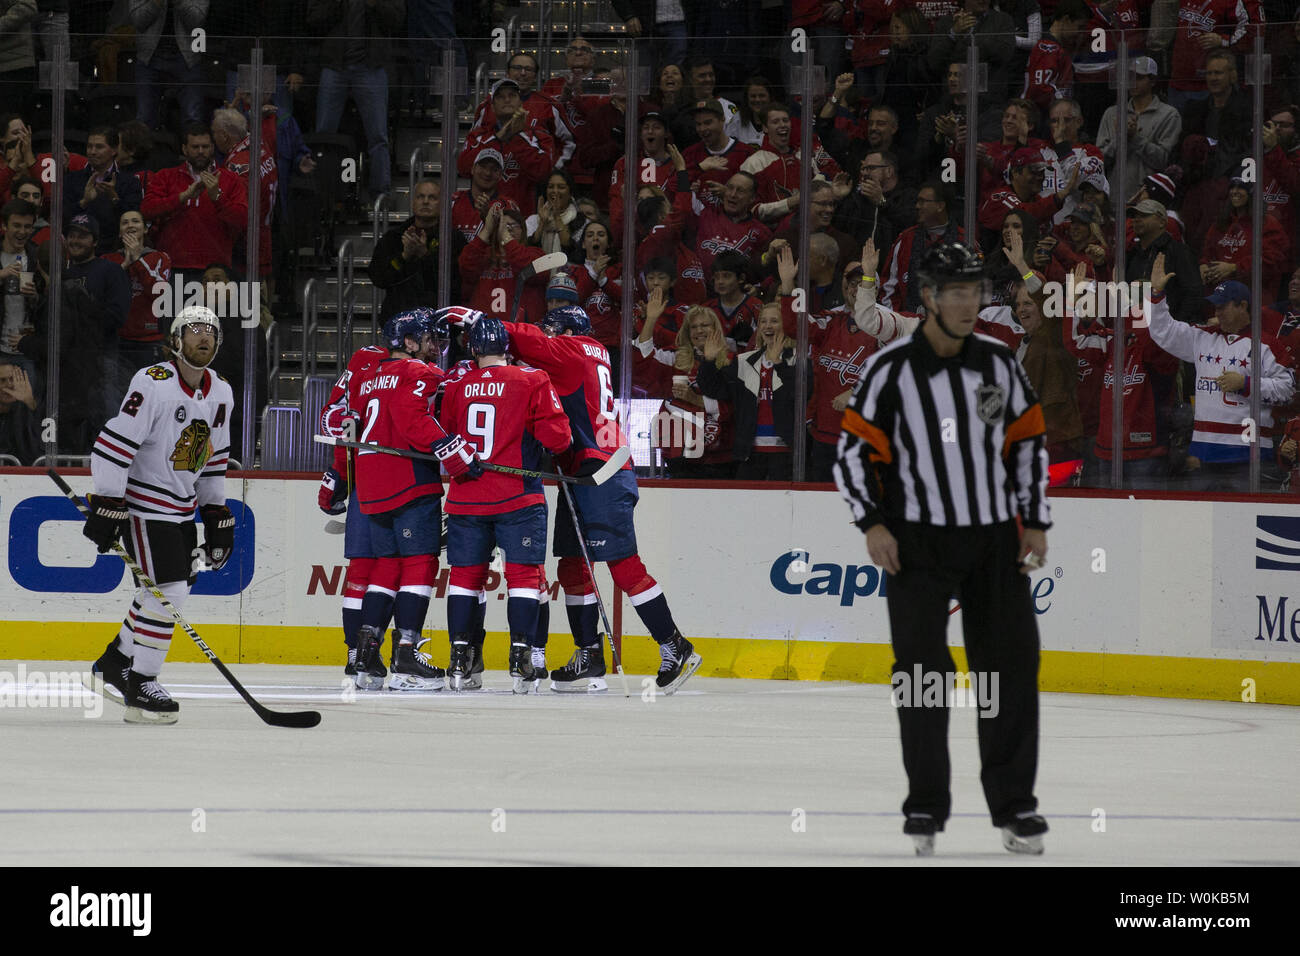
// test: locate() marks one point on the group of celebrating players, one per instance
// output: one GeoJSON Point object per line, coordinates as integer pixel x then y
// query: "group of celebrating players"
{"type": "Point", "coordinates": [400, 423]}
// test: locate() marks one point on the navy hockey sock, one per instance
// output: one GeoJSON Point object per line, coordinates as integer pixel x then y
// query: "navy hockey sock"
{"type": "Point", "coordinates": [409, 610]}
{"type": "Point", "coordinates": [656, 617]}
{"type": "Point", "coordinates": [582, 621]}
{"type": "Point", "coordinates": [521, 612]}
{"type": "Point", "coordinates": [460, 613]}
{"type": "Point", "coordinates": [477, 617]}
{"type": "Point", "coordinates": [543, 629]}
{"type": "Point", "coordinates": [377, 610]}
{"type": "Point", "coordinates": [351, 624]}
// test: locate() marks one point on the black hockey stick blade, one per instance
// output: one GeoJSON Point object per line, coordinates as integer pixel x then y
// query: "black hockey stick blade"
{"type": "Point", "coordinates": [303, 718]}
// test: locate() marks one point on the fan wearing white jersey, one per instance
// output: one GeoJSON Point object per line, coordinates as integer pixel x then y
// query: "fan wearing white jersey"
{"type": "Point", "coordinates": [1219, 455]}
{"type": "Point", "coordinates": [160, 457]}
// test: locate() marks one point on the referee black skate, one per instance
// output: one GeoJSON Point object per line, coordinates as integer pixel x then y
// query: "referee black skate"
{"type": "Point", "coordinates": [942, 460]}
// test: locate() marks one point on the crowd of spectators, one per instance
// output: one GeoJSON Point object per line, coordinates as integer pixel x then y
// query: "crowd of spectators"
{"type": "Point", "coordinates": [711, 197]}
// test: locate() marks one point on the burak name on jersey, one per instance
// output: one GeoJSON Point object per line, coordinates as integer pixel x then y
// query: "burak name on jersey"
{"type": "Point", "coordinates": [596, 351]}
{"type": "Point", "coordinates": [485, 389]}
{"type": "Point", "coordinates": [378, 382]}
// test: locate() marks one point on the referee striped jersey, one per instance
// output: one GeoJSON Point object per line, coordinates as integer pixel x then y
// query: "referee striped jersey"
{"type": "Point", "coordinates": [950, 442]}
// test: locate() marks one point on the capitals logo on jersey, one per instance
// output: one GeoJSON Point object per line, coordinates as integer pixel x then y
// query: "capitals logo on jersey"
{"type": "Point", "coordinates": [193, 447]}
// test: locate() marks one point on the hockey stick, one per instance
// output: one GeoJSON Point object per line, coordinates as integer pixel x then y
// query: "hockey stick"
{"type": "Point", "coordinates": [591, 572]}
{"type": "Point", "coordinates": [552, 260]}
{"type": "Point", "coordinates": [304, 718]}
{"type": "Point", "coordinates": [599, 477]}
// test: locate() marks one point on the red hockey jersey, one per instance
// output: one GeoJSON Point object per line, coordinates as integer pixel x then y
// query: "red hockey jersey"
{"type": "Point", "coordinates": [509, 413]}
{"type": "Point", "coordinates": [393, 397]}
{"type": "Point", "coordinates": [839, 352]}
{"type": "Point", "coordinates": [141, 322]}
{"type": "Point", "coordinates": [579, 371]}
{"type": "Point", "coordinates": [199, 232]}
{"type": "Point", "coordinates": [1228, 18]}
{"type": "Point", "coordinates": [1049, 75]}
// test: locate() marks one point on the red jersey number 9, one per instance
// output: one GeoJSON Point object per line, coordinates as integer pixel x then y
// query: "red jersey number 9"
{"type": "Point", "coordinates": [481, 421]}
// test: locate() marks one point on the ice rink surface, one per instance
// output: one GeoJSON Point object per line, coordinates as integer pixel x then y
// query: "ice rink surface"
{"type": "Point", "coordinates": [725, 772]}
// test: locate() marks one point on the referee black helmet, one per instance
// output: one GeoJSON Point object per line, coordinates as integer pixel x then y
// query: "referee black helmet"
{"type": "Point", "coordinates": [950, 262]}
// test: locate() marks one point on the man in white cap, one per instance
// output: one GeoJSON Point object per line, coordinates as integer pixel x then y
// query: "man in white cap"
{"type": "Point", "coordinates": [470, 205]}
{"type": "Point", "coordinates": [511, 130]}
{"type": "Point", "coordinates": [1154, 128]}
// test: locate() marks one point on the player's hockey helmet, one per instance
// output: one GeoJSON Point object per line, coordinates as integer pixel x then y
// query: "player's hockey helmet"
{"type": "Point", "coordinates": [950, 262]}
{"type": "Point", "coordinates": [567, 318]}
{"type": "Point", "coordinates": [194, 315]}
{"type": "Point", "coordinates": [488, 337]}
{"type": "Point", "coordinates": [415, 323]}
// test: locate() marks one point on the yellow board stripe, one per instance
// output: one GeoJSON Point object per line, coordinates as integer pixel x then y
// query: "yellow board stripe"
{"type": "Point", "coordinates": [1060, 671]}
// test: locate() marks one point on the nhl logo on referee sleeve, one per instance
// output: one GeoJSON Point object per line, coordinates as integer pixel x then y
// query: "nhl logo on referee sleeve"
{"type": "Point", "coordinates": [990, 403]}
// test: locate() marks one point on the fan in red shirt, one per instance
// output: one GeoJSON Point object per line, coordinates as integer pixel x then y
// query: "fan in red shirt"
{"type": "Point", "coordinates": [664, 316]}
{"type": "Point", "coordinates": [716, 157]}
{"type": "Point", "coordinates": [839, 349]}
{"type": "Point", "coordinates": [401, 497]}
{"type": "Point", "coordinates": [527, 149]}
{"type": "Point", "coordinates": [736, 308]}
{"type": "Point", "coordinates": [492, 260]}
{"type": "Point", "coordinates": [198, 209]}
{"type": "Point", "coordinates": [139, 338]}
{"type": "Point", "coordinates": [470, 205]}
{"type": "Point", "coordinates": [231, 136]}
{"type": "Point", "coordinates": [1203, 25]}
{"type": "Point", "coordinates": [1050, 73]}
{"type": "Point", "coordinates": [511, 414]}
{"type": "Point", "coordinates": [654, 167]}
{"type": "Point", "coordinates": [579, 369]}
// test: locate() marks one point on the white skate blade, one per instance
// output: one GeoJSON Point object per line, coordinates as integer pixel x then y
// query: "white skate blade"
{"type": "Point", "coordinates": [473, 682]}
{"type": "Point", "coordinates": [924, 843]}
{"type": "Point", "coordinates": [137, 715]}
{"type": "Point", "coordinates": [368, 681]}
{"type": "Point", "coordinates": [692, 665]}
{"type": "Point", "coordinates": [1028, 845]}
{"type": "Point", "coordinates": [101, 687]}
{"type": "Point", "coordinates": [523, 685]}
{"type": "Point", "coordinates": [585, 685]}
{"type": "Point", "coordinates": [412, 682]}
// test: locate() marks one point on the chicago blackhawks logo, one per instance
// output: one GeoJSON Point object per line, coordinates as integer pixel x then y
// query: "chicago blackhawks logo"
{"type": "Point", "coordinates": [159, 373]}
{"type": "Point", "coordinates": [193, 448]}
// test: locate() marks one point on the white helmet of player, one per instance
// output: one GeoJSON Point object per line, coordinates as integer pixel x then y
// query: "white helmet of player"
{"type": "Point", "coordinates": [193, 318]}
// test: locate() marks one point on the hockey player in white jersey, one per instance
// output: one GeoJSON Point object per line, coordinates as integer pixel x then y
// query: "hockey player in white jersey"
{"type": "Point", "coordinates": [160, 457]}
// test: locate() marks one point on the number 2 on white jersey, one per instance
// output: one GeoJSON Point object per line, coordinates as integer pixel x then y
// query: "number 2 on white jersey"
{"type": "Point", "coordinates": [481, 420]}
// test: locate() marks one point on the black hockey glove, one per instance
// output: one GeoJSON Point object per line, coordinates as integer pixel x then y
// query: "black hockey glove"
{"type": "Point", "coordinates": [106, 521]}
{"type": "Point", "coordinates": [218, 534]}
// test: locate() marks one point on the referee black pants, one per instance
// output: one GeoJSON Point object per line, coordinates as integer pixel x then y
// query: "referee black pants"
{"type": "Point", "coordinates": [979, 567]}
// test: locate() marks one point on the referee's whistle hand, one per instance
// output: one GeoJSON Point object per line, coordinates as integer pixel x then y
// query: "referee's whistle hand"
{"type": "Point", "coordinates": [1032, 540]}
{"type": "Point", "coordinates": [883, 549]}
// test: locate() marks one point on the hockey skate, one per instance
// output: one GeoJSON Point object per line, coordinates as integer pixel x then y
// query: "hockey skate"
{"type": "Point", "coordinates": [108, 675]}
{"type": "Point", "coordinates": [412, 669]}
{"type": "Point", "coordinates": [461, 665]}
{"type": "Point", "coordinates": [147, 702]}
{"type": "Point", "coordinates": [525, 669]}
{"type": "Point", "coordinates": [584, 674]}
{"type": "Point", "coordinates": [1025, 835]}
{"type": "Point", "coordinates": [370, 672]}
{"type": "Point", "coordinates": [350, 668]}
{"type": "Point", "coordinates": [922, 827]}
{"type": "Point", "coordinates": [474, 679]}
{"type": "Point", "coordinates": [678, 662]}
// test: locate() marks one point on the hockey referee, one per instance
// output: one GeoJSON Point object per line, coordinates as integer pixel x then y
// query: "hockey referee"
{"type": "Point", "coordinates": [942, 450]}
